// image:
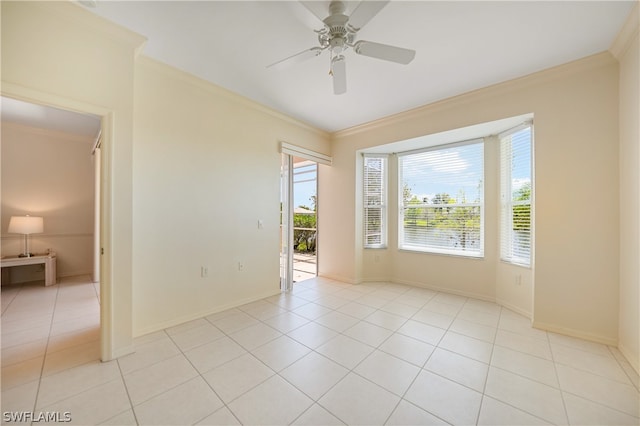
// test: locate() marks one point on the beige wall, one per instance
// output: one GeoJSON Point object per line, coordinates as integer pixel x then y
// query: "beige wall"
{"type": "Point", "coordinates": [206, 169]}
{"type": "Point", "coordinates": [628, 53]}
{"type": "Point", "coordinates": [49, 174]}
{"type": "Point", "coordinates": [576, 162]}
{"type": "Point", "coordinates": [56, 53]}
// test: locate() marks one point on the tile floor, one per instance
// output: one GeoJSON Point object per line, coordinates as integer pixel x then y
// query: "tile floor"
{"type": "Point", "coordinates": [329, 353]}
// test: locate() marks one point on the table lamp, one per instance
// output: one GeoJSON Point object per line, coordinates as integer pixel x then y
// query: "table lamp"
{"type": "Point", "coordinates": [26, 225]}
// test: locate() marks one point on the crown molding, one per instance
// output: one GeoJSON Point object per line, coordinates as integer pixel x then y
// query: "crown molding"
{"type": "Point", "coordinates": [561, 71]}
{"type": "Point", "coordinates": [216, 90]}
{"type": "Point", "coordinates": [70, 10]}
{"type": "Point", "coordinates": [54, 134]}
{"type": "Point", "coordinates": [627, 34]}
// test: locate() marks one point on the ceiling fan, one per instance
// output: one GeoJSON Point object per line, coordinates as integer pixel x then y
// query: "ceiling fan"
{"type": "Point", "coordinates": [339, 33]}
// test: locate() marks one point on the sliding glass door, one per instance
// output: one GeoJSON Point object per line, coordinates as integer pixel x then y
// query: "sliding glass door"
{"type": "Point", "coordinates": [299, 214]}
{"type": "Point", "coordinates": [286, 223]}
{"type": "Point", "coordinates": [298, 220]}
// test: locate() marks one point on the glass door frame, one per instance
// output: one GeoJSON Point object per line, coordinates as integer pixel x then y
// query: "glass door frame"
{"type": "Point", "coordinates": [286, 223]}
{"type": "Point", "coordinates": [288, 151]}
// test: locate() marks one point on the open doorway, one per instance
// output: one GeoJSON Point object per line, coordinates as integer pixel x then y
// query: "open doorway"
{"type": "Point", "coordinates": [305, 219]}
{"type": "Point", "coordinates": [298, 220]}
{"type": "Point", "coordinates": [299, 214]}
{"type": "Point", "coordinates": [50, 170]}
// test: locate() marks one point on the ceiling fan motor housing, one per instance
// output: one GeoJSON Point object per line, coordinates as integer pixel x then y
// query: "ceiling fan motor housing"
{"type": "Point", "coordinates": [337, 25]}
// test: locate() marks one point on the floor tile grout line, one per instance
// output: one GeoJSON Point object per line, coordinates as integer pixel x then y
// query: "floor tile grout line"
{"type": "Point", "coordinates": [42, 376]}
{"type": "Point", "coordinates": [521, 409]}
{"type": "Point", "coordinates": [377, 348]}
{"type": "Point", "coordinates": [555, 369]}
{"type": "Point", "coordinates": [126, 388]}
{"type": "Point", "coordinates": [349, 370]}
{"type": "Point", "coordinates": [201, 375]}
{"type": "Point", "coordinates": [423, 369]}
{"type": "Point", "coordinates": [486, 378]}
{"type": "Point", "coordinates": [402, 398]}
{"type": "Point", "coordinates": [619, 362]}
{"type": "Point", "coordinates": [309, 408]}
{"type": "Point", "coordinates": [44, 358]}
{"type": "Point", "coordinates": [275, 372]}
{"type": "Point", "coordinates": [601, 404]}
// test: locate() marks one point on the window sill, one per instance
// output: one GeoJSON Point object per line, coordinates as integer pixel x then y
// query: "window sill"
{"type": "Point", "coordinates": [442, 253]}
{"type": "Point", "coordinates": [519, 265]}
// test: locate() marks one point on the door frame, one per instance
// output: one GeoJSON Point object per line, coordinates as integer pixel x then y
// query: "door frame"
{"type": "Point", "coordinates": [288, 151]}
{"type": "Point", "coordinates": [41, 98]}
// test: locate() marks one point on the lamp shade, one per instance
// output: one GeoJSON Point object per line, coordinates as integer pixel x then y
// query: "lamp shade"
{"type": "Point", "coordinates": [26, 225]}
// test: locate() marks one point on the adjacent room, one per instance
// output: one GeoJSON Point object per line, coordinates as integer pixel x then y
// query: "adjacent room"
{"type": "Point", "coordinates": [321, 212]}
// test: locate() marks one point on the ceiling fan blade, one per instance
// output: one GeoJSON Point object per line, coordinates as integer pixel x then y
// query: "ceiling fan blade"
{"type": "Point", "coordinates": [304, 15]}
{"type": "Point", "coordinates": [339, 73]}
{"type": "Point", "coordinates": [384, 52]}
{"type": "Point", "coordinates": [297, 58]}
{"type": "Point", "coordinates": [318, 8]}
{"type": "Point", "coordinates": [364, 12]}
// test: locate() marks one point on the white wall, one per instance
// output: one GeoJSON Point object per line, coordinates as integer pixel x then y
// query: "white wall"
{"type": "Point", "coordinates": [206, 169]}
{"type": "Point", "coordinates": [627, 51]}
{"type": "Point", "coordinates": [576, 161]}
{"type": "Point", "coordinates": [49, 174]}
{"type": "Point", "coordinates": [57, 53]}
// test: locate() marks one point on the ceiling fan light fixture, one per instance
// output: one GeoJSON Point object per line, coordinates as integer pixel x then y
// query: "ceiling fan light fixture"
{"type": "Point", "coordinates": [337, 45]}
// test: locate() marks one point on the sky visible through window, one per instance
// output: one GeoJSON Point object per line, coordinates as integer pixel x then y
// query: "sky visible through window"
{"type": "Point", "coordinates": [304, 185]}
{"type": "Point", "coordinates": [455, 171]}
{"type": "Point", "coordinates": [425, 173]}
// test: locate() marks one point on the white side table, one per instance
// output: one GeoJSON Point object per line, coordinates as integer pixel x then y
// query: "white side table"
{"type": "Point", "coordinates": [49, 261]}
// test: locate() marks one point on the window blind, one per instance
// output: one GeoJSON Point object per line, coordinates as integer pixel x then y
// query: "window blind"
{"type": "Point", "coordinates": [516, 195]}
{"type": "Point", "coordinates": [375, 201]}
{"type": "Point", "coordinates": [441, 209]}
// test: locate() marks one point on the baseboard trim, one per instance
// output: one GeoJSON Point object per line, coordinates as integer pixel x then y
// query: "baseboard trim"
{"type": "Point", "coordinates": [446, 290]}
{"type": "Point", "coordinates": [514, 308]}
{"type": "Point", "coordinates": [340, 278]}
{"type": "Point", "coordinates": [633, 361]}
{"type": "Point", "coordinates": [378, 280]}
{"type": "Point", "coordinates": [186, 318]}
{"type": "Point", "coordinates": [575, 333]}
{"type": "Point", "coordinates": [120, 353]}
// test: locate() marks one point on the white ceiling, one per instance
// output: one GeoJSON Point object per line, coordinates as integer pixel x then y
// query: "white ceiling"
{"type": "Point", "coordinates": [461, 46]}
{"type": "Point", "coordinates": [49, 118]}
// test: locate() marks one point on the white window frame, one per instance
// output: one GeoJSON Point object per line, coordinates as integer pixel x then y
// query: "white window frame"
{"type": "Point", "coordinates": [401, 207]}
{"type": "Point", "coordinates": [382, 206]}
{"type": "Point", "coordinates": [507, 204]}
